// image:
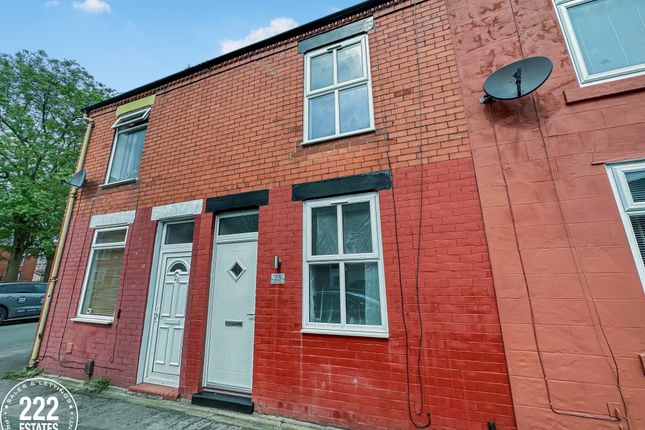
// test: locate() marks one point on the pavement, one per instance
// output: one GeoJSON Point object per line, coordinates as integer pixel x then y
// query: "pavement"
{"type": "Point", "coordinates": [16, 339]}
{"type": "Point", "coordinates": [116, 408]}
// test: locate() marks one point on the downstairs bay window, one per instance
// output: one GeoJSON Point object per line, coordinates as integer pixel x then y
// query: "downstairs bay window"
{"type": "Point", "coordinates": [103, 276]}
{"type": "Point", "coordinates": [344, 288]}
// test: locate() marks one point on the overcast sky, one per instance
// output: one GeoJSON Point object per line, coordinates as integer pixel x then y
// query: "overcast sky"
{"type": "Point", "coordinates": [128, 43]}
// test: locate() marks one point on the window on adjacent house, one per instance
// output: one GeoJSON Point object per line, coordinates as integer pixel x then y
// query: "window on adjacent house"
{"type": "Point", "coordinates": [606, 38]}
{"type": "Point", "coordinates": [344, 290]}
{"type": "Point", "coordinates": [103, 276]}
{"type": "Point", "coordinates": [128, 146]}
{"type": "Point", "coordinates": [338, 92]}
{"type": "Point", "coordinates": [628, 183]}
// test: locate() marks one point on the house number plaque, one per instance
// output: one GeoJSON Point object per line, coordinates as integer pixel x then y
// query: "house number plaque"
{"type": "Point", "coordinates": [277, 278]}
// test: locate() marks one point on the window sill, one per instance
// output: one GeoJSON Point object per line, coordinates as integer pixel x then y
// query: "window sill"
{"type": "Point", "coordinates": [89, 320]}
{"type": "Point", "coordinates": [116, 184]}
{"type": "Point", "coordinates": [352, 333]}
{"type": "Point", "coordinates": [604, 89]}
{"type": "Point", "coordinates": [338, 136]}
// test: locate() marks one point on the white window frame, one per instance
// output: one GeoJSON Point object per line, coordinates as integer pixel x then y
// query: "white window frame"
{"type": "Point", "coordinates": [124, 127]}
{"type": "Point", "coordinates": [335, 88]}
{"type": "Point", "coordinates": [343, 329]}
{"type": "Point", "coordinates": [235, 237]}
{"type": "Point", "coordinates": [98, 319]}
{"type": "Point", "coordinates": [131, 118]}
{"type": "Point", "coordinates": [627, 207]}
{"type": "Point", "coordinates": [583, 75]}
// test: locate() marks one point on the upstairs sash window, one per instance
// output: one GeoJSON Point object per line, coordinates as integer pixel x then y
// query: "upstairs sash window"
{"type": "Point", "coordinates": [338, 90]}
{"type": "Point", "coordinates": [128, 146]}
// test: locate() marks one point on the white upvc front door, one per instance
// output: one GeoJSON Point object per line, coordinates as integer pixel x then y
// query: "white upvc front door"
{"type": "Point", "coordinates": [163, 357]}
{"type": "Point", "coordinates": [229, 350]}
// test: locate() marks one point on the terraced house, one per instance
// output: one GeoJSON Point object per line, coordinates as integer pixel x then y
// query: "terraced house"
{"type": "Point", "coordinates": [329, 225]}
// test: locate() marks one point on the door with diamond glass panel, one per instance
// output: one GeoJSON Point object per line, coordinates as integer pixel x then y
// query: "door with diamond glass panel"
{"type": "Point", "coordinates": [163, 356]}
{"type": "Point", "coordinates": [229, 350]}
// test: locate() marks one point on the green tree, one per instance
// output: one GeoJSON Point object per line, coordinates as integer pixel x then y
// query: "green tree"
{"type": "Point", "coordinates": [41, 129]}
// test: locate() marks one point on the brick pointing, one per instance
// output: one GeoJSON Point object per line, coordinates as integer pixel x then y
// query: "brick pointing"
{"type": "Point", "coordinates": [114, 348]}
{"type": "Point", "coordinates": [243, 123]}
{"type": "Point", "coordinates": [238, 128]}
{"type": "Point", "coordinates": [360, 382]}
{"type": "Point", "coordinates": [197, 305]}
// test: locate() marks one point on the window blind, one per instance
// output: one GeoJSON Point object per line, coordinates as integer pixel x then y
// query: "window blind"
{"type": "Point", "coordinates": [638, 224]}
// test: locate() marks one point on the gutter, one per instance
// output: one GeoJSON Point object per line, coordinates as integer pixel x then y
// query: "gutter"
{"type": "Point", "coordinates": [53, 278]}
{"type": "Point", "coordinates": [313, 25]}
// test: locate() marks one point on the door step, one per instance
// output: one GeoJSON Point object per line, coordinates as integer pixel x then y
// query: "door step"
{"type": "Point", "coordinates": [223, 401]}
{"type": "Point", "coordinates": [168, 393]}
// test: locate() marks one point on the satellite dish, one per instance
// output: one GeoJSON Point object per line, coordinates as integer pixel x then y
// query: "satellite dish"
{"type": "Point", "coordinates": [517, 79]}
{"type": "Point", "coordinates": [78, 180]}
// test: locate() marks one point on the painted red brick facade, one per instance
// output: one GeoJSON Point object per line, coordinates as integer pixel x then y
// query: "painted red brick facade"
{"type": "Point", "coordinates": [510, 203]}
{"type": "Point", "coordinates": [237, 127]}
{"type": "Point", "coordinates": [571, 303]}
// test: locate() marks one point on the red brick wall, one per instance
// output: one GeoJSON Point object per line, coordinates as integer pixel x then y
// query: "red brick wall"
{"type": "Point", "coordinates": [360, 382]}
{"type": "Point", "coordinates": [115, 348]}
{"type": "Point", "coordinates": [238, 127]}
{"type": "Point", "coordinates": [26, 270]}
{"type": "Point", "coordinates": [571, 304]}
{"type": "Point", "coordinates": [192, 359]}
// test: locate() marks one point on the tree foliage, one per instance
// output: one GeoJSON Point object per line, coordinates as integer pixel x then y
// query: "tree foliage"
{"type": "Point", "coordinates": [41, 130]}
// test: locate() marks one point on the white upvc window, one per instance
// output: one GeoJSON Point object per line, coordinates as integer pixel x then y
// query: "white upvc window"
{"type": "Point", "coordinates": [128, 147]}
{"type": "Point", "coordinates": [606, 38]}
{"type": "Point", "coordinates": [628, 183]}
{"type": "Point", "coordinates": [103, 276]}
{"type": "Point", "coordinates": [338, 91]}
{"type": "Point", "coordinates": [343, 278]}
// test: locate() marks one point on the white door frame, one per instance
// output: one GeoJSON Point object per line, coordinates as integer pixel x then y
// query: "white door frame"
{"type": "Point", "coordinates": [231, 238]}
{"type": "Point", "coordinates": [147, 340]}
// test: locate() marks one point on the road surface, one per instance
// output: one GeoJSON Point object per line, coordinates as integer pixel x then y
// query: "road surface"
{"type": "Point", "coordinates": [16, 339]}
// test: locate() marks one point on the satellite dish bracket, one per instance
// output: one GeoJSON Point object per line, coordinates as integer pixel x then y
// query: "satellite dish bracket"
{"type": "Point", "coordinates": [486, 99]}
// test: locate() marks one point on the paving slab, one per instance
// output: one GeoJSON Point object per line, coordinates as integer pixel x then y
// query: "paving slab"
{"type": "Point", "coordinates": [115, 408]}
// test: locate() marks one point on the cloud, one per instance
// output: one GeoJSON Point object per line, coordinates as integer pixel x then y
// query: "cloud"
{"type": "Point", "coordinates": [92, 6]}
{"type": "Point", "coordinates": [276, 26]}
{"type": "Point", "coordinates": [52, 3]}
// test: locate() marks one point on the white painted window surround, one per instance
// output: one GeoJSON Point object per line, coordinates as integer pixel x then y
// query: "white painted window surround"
{"type": "Point", "coordinates": [343, 275]}
{"type": "Point", "coordinates": [177, 210]}
{"type": "Point", "coordinates": [605, 38]}
{"type": "Point", "coordinates": [112, 219]}
{"type": "Point", "coordinates": [628, 184]}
